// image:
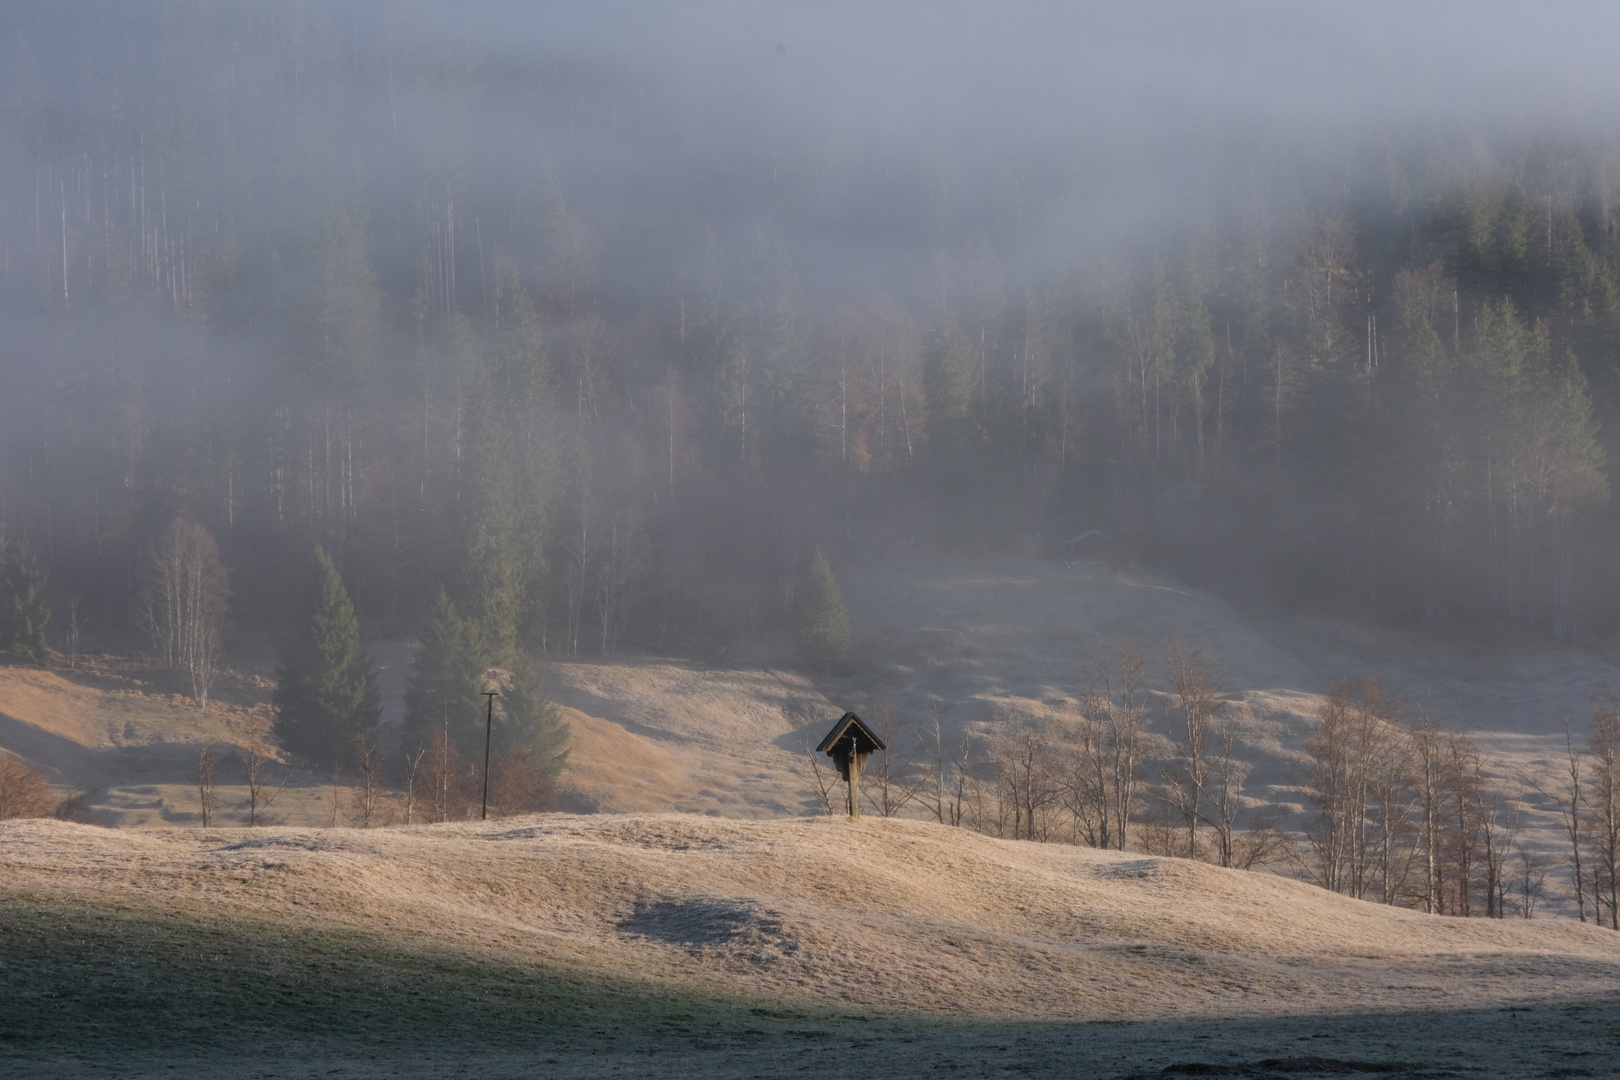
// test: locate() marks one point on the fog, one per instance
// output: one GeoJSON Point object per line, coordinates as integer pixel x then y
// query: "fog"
{"type": "Point", "coordinates": [603, 318]}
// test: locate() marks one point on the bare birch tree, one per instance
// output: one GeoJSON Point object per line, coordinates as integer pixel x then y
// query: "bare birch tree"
{"type": "Point", "coordinates": [1462, 759]}
{"type": "Point", "coordinates": [1569, 811]}
{"type": "Point", "coordinates": [1197, 687]}
{"type": "Point", "coordinates": [1428, 768]}
{"type": "Point", "coordinates": [370, 785]}
{"type": "Point", "coordinates": [182, 604]}
{"type": "Point", "coordinates": [943, 778]}
{"type": "Point", "coordinates": [1229, 776]}
{"type": "Point", "coordinates": [413, 766]}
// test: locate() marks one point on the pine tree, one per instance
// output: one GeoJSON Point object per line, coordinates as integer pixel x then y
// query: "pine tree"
{"type": "Point", "coordinates": [530, 739]}
{"type": "Point", "coordinates": [532, 723]}
{"type": "Point", "coordinates": [823, 629]}
{"type": "Point", "coordinates": [506, 478]}
{"type": "Point", "coordinates": [25, 604]}
{"type": "Point", "coordinates": [447, 683]}
{"type": "Point", "coordinates": [326, 692]}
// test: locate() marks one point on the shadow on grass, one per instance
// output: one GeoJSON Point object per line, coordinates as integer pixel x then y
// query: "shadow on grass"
{"type": "Point", "coordinates": [105, 982]}
{"type": "Point", "coordinates": [88, 990]}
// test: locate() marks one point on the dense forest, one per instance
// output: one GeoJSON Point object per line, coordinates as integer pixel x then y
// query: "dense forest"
{"type": "Point", "coordinates": [608, 361]}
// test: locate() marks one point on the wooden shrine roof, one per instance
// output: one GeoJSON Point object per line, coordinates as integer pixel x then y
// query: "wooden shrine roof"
{"type": "Point", "coordinates": [852, 728]}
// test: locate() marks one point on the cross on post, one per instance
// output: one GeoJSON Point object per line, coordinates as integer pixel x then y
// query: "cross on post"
{"type": "Point", "coordinates": [849, 744]}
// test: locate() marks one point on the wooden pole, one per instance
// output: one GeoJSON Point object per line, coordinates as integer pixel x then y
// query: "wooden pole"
{"type": "Point", "coordinates": [489, 723]}
{"type": "Point", "coordinates": [854, 780]}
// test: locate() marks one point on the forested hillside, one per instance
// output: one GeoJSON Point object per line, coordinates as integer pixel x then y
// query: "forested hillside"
{"type": "Point", "coordinates": [608, 345]}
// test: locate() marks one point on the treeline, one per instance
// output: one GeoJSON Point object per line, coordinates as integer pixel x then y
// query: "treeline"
{"type": "Point", "coordinates": [282, 272]}
{"type": "Point", "coordinates": [1404, 812]}
{"type": "Point", "coordinates": [1394, 808]}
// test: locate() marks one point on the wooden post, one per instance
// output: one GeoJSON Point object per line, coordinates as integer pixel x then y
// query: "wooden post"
{"type": "Point", "coordinates": [489, 725]}
{"type": "Point", "coordinates": [854, 781]}
{"type": "Point", "coordinates": [847, 744]}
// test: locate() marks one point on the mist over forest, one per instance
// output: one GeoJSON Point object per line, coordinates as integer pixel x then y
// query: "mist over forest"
{"type": "Point", "coordinates": [605, 319]}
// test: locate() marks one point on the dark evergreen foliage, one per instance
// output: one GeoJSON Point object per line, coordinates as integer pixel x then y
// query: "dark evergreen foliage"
{"type": "Point", "coordinates": [326, 691]}
{"type": "Point", "coordinates": [319, 293]}
{"type": "Point", "coordinates": [453, 666]}
{"type": "Point", "coordinates": [531, 728]}
{"type": "Point", "coordinates": [448, 677]}
{"type": "Point", "coordinates": [823, 623]}
{"type": "Point", "coordinates": [25, 603]}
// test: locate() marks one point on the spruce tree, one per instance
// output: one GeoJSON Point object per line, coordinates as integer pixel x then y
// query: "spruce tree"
{"type": "Point", "coordinates": [532, 727]}
{"type": "Point", "coordinates": [326, 692]}
{"type": "Point", "coordinates": [823, 624]}
{"type": "Point", "coordinates": [447, 682]}
{"type": "Point", "coordinates": [25, 604]}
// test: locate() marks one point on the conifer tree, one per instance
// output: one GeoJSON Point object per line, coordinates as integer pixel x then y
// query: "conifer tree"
{"type": "Point", "coordinates": [25, 605]}
{"type": "Point", "coordinates": [823, 629]}
{"type": "Point", "coordinates": [326, 692]}
{"type": "Point", "coordinates": [531, 730]}
{"type": "Point", "coordinates": [506, 478]}
{"type": "Point", "coordinates": [447, 682]}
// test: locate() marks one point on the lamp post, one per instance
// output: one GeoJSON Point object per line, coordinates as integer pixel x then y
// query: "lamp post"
{"type": "Point", "coordinates": [489, 723]}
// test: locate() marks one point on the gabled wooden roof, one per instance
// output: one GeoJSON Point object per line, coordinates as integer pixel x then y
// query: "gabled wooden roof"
{"type": "Point", "coordinates": [852, 727]}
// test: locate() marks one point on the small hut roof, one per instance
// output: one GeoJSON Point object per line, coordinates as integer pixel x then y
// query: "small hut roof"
{"type": "Point", "coordinates": [852, 728]}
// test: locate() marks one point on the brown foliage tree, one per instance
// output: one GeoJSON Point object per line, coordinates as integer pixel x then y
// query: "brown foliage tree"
{"type": "Point", "coordinates": [24, 791]}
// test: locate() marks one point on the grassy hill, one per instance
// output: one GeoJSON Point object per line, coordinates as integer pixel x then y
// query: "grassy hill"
{"type": "Point", "coordinates": [987, 644]}
{"type": "Point", "coordinates": [579, 942]}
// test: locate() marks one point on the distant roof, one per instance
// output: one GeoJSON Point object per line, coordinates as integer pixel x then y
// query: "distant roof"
{"type": "Point", "coordinates": [852, 727]}
{"type": "Point", "coordinates": [1075, 539]}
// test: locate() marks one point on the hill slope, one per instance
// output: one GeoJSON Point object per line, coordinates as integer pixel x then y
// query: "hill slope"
{"type": "Point", "coordinates": [988, 642]}
{"type": "Point", "coordinates": [886, 914]}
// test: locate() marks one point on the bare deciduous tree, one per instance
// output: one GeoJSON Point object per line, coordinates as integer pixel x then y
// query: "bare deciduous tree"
{"type": "Point", "coordinates": [202, 777]}
{"type": "Point", "coordinates": [1532, 881]}
{"type": "Point", "coordinates": [944, 777]}
{"type": "Point", "coordinates": [1228, 796]}
{"type": "Point", "coordinates": [891, 780]}
{"type": "Point", "coordinates": [1082, 781]}
{"type": "Point", "coordinates": [1603, 805]}
{"type": "Point", "coordinates": [446, 799]}
{"type": "Point", "coordinates": [1025, 781]}
{"type": "Point", "coordinates": [821, 778]}
{"type": "Point", "coordinates": [1197, 688]}
{"type": "Point", "coordinates": [370, 783]}
{"type": "Point", "coordinates": [1462, 780]}
{"type": "Point", "coordinates": [182, 604]}
{"type": "Point", "coordinates": [1428, 772]}
{"type": "Point", "coordinates": [1498, 825]}
{"type": "Point", "coordinates": [1112, 710]}
{"type": "Point", "coordinates": [413, 764]}
{"type": "Point", "coordinates": [256, 757]}
{"type": "Point", "coordinates": [1357, 790]}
